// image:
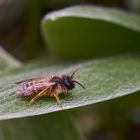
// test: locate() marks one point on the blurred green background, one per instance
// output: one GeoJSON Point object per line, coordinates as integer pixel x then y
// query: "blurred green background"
{"type": "Point", "coordinates": [20, 32]}
{"type": "Point", "coordinates": [81, 34]}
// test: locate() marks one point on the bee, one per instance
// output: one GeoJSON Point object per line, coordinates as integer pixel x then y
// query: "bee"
{"type": "Point", "coordinates": [51, 86]}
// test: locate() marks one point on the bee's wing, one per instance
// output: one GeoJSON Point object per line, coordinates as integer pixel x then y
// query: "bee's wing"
{"type": "Point", "coordinates": [31, 86]}
{"type": "Point", "coordinates": [40, 79]}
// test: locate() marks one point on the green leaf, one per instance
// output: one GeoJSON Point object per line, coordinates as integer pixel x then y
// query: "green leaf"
{"type": "Point", "coordinates": [89, 31]}
{"type": "Point", "coordinates": [7, 61]}
{"type": "Point", "coordinates": [51, 127]}
{"type": "Point", "coordinates": [104, 79]}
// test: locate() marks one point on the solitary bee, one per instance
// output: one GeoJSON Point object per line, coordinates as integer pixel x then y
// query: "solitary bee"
{"type": "Point", "coordinates": [51, 86]}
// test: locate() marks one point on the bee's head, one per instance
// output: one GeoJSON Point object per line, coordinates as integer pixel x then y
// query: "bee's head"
{"type": "Point", "coordinates": [69, 81]}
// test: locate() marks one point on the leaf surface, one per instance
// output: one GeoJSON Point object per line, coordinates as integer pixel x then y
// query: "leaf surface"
{"type": "Point", "coordinates": [58, 126]}
{"type": "Point", "coordinates": [104, 79]}
{"type": "Point", "coordinates": [90, 31]}
{"type": "Point", "coordinates": [7, 61]}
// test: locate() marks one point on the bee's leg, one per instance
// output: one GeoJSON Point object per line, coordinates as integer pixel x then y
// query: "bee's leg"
{"type": "Point", "coordinates": [57, 99]}
{"type": "Point", "coordinates": [65, 93]}
{"type": "Point", "coordinates": [43, 92]}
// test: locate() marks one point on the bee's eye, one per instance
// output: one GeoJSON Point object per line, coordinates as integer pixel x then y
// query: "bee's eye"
{"type": "Point", "coordinates": [66, 82]}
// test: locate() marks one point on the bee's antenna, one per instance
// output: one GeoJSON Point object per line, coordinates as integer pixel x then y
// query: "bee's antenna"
{"type": "Point", "coordinates": [74, 72]}
{"type": "Point", "coordinates": [79, 84]}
